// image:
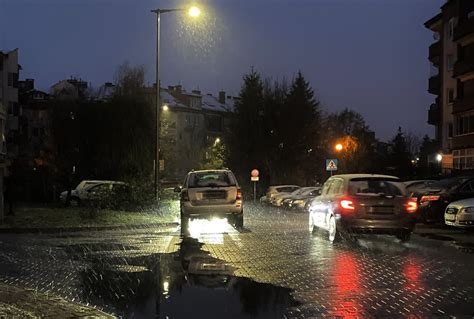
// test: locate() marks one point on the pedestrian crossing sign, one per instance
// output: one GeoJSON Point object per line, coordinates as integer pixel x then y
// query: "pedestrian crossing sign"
{"type": "Point", "coordinates": [331, 165]}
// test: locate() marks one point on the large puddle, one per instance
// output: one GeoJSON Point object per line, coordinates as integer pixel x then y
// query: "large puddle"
{"type": "Point", "coordinates": [186, 284]}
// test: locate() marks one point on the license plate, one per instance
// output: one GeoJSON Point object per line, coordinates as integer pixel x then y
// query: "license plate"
{"type": "Point", "coordinates": [209, 266]}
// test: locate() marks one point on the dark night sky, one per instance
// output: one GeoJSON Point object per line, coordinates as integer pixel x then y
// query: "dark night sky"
{"type": "Point", "coordinates": [368, 55]}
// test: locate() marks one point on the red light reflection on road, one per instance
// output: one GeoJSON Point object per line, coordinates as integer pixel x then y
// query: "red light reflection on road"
{"type": "Point", "coordinates": [412, 272]}
{"type": "Point", "coordinates": [347, 288]}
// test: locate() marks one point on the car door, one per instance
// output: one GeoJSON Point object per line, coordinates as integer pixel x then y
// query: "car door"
{"type": "Point", "coordinates": [320, 205]}
{"type": "Point", "coordinates": [98, 192]}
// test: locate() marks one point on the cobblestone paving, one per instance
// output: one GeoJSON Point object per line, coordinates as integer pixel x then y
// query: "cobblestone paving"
{"type": "Point", "coordinates": [376, 277]}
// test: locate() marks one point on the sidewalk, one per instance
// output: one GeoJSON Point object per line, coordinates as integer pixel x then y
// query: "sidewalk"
{"type": "Point", "coordinates": [17, 302]}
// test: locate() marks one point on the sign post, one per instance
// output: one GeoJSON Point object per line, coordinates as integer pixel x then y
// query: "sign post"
{"type": "Point", "coordinates": [254, 178]}
{"type": "Point", "coordinates": [331, 165]}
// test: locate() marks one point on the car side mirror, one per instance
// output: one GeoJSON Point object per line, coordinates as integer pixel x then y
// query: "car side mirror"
{"type": "Point", "coordinates": [177, 189]}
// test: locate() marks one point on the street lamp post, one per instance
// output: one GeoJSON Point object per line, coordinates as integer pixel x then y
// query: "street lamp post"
{"type": "Point", "coordinates": [193, 12]}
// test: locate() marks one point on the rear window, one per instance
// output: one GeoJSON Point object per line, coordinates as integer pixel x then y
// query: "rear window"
{"type": "Point", "coordinates": [287, 189]}
{"type": "Point", "coordinates": [374, 187]}
{"type": "Point", "coordinates": [211, 179]}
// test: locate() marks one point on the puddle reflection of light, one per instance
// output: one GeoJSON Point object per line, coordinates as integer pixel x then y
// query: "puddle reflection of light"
{"type": "Point", "coordinates": [209, 231]}
{"type": "Point", "coordinates": [412, 273]}
{"type": "Point", "coordinates": [166, 286]}
{"type": "Point", "coordinates": [346, 279]}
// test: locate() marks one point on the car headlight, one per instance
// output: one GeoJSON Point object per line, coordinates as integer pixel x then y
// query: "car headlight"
{"type": "Point", "coordinates": [469, 209]}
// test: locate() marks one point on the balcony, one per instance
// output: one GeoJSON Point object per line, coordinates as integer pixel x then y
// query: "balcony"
{"type": "Point", "coordinates": [464, 32]}
{"type": "Point", "coordinates": [464, 104]}
{"type": "Point", "coordinates": [435, 52]}
{"type": "Point", "coordinates": [464, 68]}
{"type": "Point", "coordinates": [434, 114]}
{"type": "Point", "coordinates": [434, 84]}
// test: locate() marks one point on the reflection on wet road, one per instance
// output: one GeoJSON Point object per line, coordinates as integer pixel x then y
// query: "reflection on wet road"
{"type": "Point", "coordinates": [272, 268]}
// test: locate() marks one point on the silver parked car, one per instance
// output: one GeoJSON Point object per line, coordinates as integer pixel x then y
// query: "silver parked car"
{"type": "Point", "coordinates": [355, 203]}
{"type": "Point", "coordinates": [460, 213]}
{"type": "Point", "coordinates": [211, 193]}
{"type": "Point", "coordinates": [280, 190]}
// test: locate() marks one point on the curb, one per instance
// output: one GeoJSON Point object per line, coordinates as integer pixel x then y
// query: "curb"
{"type": "Point", "coordinates": [57, 230]}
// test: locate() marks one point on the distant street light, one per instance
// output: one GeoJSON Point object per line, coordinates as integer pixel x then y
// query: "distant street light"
{"type": "Point", "coordinates": [217, 141]}
{"type": "Point", "coordinates": [338, 147]}
{"type": "Point", "coordinates": [193, 12]}
{"type": "Point", "coordinates": [165, 108]}
{"type": "Point", "coordinates": [439, 157]}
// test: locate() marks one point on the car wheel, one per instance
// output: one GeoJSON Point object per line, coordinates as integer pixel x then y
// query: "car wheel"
{"type": "Point", "coordinates": [404, 235]}
{"type": "Point", "coordinates": [75, 202]}
{"type": "Point", "coordinates": [332, 229]}
{"type": "Point", "coordinates": [239, 221]}
{"type": "Point", "coordinates": [184, 225]}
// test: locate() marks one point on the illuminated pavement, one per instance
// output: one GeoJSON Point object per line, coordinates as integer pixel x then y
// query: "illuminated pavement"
{"type": "Point", "coordinates": [272, 268]}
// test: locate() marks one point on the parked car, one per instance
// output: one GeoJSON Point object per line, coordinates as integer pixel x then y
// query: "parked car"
{"type": "Point", "coordinates": [414, 187]}
{"type": "Point", "coordinates": [299, 201]}
{"type": "Point", "coordinates": [94, 191]}
{"type": "Point", "coordinates": [275, 190]}
{"type": "Point", "coordinates": [355, 203]}
{"type": "Point", "coordinates": [211, 193]}
{"type": "Point", "coordinates": [278, 199]}
{"type": "Point", "coordinates": [460, 213]}
{"type": "Point", "coordinates": [434, 199]}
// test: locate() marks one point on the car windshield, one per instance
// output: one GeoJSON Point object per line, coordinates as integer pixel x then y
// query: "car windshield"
{"type": "Point", "coordinates": [210, 179]}
{"type": "Point", "coordinates": [374, 187]}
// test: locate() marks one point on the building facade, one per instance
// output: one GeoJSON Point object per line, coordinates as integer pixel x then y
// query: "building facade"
{"type": "Point", "coordinates": [452, 82]}
{"type": "Point", "coordinates": [9, 111]}
{"type": "Point", "coordinates": [190, 123]}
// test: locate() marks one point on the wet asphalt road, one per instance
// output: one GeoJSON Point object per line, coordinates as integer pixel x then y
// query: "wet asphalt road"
{"type": "Point", "coordinates": [271, 269]}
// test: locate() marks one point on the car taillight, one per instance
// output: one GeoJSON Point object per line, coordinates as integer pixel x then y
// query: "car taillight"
{"type": "Point", "coordinates": [239, 194]}
{"type": "Point", "coordinates": [185, 196]}
{"type": "Point", "coordinates": [429, 198]}
{"type": "Point", "coordinates": [411, 205]}
{"type": "Point", "coordinates": [347, 204]}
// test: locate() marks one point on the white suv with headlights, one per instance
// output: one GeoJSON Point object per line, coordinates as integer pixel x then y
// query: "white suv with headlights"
{"type": "Point", "coordinates": [211, 193]}
{"type": "Point", "coordinates": [460, 213]}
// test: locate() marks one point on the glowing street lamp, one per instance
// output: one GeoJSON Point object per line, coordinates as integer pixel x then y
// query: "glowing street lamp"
{"type": "Point", "coordinates": [439, 157]}
{"type": "Point", "coordinates": [192, 12]}
{"type": "Point", "coordinates": [165, 108]}
{"type": "Point", "coordinates": [338, 147]}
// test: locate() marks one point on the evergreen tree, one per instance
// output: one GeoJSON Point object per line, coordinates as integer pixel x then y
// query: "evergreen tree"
{"type": "Point", "coordinates": [299, 123]}
{"type": "Point", "coordinates": [400, 156]}
{"type": "Point", "coordinates": [246, 137]}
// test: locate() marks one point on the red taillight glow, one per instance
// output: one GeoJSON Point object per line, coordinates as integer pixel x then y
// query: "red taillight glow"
{"type": "Point", "coordinates": [429, 198]}
{"type": "Point", "coordinates": [412, 205]}
{"type": "Point", "coordinates": [347, 204]}
{"type": "Point", "coordinates": [239, 194]}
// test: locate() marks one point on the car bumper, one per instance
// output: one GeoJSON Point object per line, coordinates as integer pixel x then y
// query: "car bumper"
{"type": "Point", "coordinates": [461, 220]}
{"type": "Point", "coordinates": [210, 210]}
{"type": "Point", "coordinates": [379, 226]}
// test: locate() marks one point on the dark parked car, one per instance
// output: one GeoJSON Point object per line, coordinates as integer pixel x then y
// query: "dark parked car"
{"type": "Point", "coordinates": [355, 203]}
{"type": "Point", "coordinates": [435, 198]}
{"type": "Point", "coordinates": [414, 187]}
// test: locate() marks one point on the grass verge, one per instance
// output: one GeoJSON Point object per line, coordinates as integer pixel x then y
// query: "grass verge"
{"type": "Point", "coordinates": [46, 217]}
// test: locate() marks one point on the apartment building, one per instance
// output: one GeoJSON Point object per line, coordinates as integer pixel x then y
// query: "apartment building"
{"type": "Point", "coordinates": [452, 82]}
